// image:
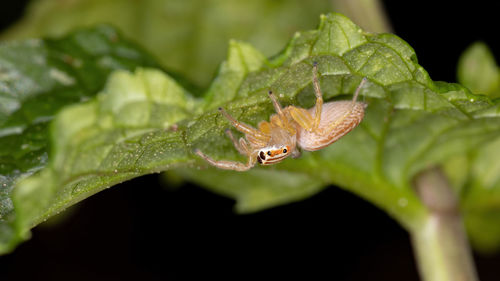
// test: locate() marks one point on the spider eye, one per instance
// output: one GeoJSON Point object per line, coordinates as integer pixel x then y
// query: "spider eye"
{"type": "Point", "coordinates": [259, 160]}
{"type": "Point", "coordinates": [262, 155]}
{"type": "Point", "coordinates": [285, 150]}
{"type": "Point", "coordinates": [269, 153]}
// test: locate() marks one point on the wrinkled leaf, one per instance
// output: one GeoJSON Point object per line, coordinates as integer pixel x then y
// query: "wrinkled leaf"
{"type": "Point", "coordinates": [411, 123]}
{"type": "Point", "coordinates": [188, 37]}
{"type": "Point", "coordinates": [37, 79]}
{"type": "Point", "coordinates": [120, 135]}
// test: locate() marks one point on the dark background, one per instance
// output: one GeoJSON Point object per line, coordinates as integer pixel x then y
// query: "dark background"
{"type": "Point", "coordinates": [142, 230]}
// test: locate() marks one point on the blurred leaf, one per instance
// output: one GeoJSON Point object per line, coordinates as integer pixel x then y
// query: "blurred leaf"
{"type": "Point", "coordinates": [481, 202]}
{"type": "Point", "coordinates": [481, 193]}
{"type": "Point", "coordinates": [476, 174]}
{"type": "Point", "coordinates": [145, 123]}
{"type": "Point", "coordinates": [37, 79]}
{"type": "Point", "coordinates": [257, 189]}
{"type": "Point", "coordinates": [478, 71]}
{"type": "Point", "coordinates": [189, 37]}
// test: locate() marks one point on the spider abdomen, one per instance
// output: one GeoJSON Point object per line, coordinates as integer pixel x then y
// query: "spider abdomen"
{"type": "Point", "coordinates": [337, 119]}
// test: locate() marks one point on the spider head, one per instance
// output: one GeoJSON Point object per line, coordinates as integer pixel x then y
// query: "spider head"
{"type": "Point", "coordinates": [273, 154]}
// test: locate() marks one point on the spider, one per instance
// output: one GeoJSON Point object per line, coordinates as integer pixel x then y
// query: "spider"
{"type": "Point", "coordinates": [292, 127]}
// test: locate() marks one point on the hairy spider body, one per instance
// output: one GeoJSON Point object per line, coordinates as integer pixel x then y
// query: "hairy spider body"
{"type": "Point", "coordinates": [337, 119]}
{"type": "Point", "coordinates": [292, 127]}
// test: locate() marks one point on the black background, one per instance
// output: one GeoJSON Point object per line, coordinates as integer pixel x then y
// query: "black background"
{"type": "Point", "coordinates": [142, 230]}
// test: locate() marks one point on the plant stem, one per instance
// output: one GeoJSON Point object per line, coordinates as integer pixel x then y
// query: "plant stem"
{"type": "Point", "coordinates": [369, 14]}
{"type": "Point", "coordinates": [441, 247]}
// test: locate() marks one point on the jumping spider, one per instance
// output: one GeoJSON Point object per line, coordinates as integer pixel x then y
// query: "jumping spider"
{"type": "Point", "coordinates": [292, 127]}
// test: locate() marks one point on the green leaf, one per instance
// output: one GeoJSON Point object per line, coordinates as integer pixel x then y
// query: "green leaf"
{"type": "Point", "coordinates": [411, 123]}
{"type": "Point", "coordinates": [37, 79]}
{"type": "Point", "coordinates": [120, 135]}
{"type": "Point", "coordinates": [478, 71]}
{"type": "Point", "coordinates": [188, 37]}
{"type": "Point", "coordinates": [475, 177]}
{"type": "Point", "coordinates": [480, 187]}
{"type": "Point", "coordinates": [482, 198]}
{"type": "Point", "coordinates": [257, 189]}
{"type": "Point", "coordinates": [475, 173]}
{"type": "Point", "coordinates": [145, 122]}
{"type": "Point", "coordinates": [242, 60]}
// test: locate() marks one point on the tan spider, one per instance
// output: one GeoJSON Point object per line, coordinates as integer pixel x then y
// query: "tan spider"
{"type": "Point", "coordinates": [292, 127]}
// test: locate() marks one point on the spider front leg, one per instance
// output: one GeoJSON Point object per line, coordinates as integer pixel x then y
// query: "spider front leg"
{"type": "Point", "coordinates": [241, 146]}
{"type": "Point", "coordinates": [254, 135]}
{"type": "Point", "coordinates": [244, 128]}
{"type": "Point", "coordinates": [229, 165]}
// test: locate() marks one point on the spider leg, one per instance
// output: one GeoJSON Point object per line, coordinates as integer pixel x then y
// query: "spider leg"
{"type": "Point", "coordinates": [305, 120]}
{"type": "Point", "coordinates": [228, 165]}
{"type": "Point", "coordinates": [319, 98]}
{"type": "Point", "coordinates": [358, 89]}
{"type": "Point", "coordinates": [265, 127]}
{"type": "Point", "coordinates": [302, 117]}
{"type": "Point", "coordinates": [281, 114]}
{"type": "Point", "coordinates": [244, 128]}
{"type": "Point", "coordinates": [276, 103]}
{"type": "Point", "coordinates": [241, 146]}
